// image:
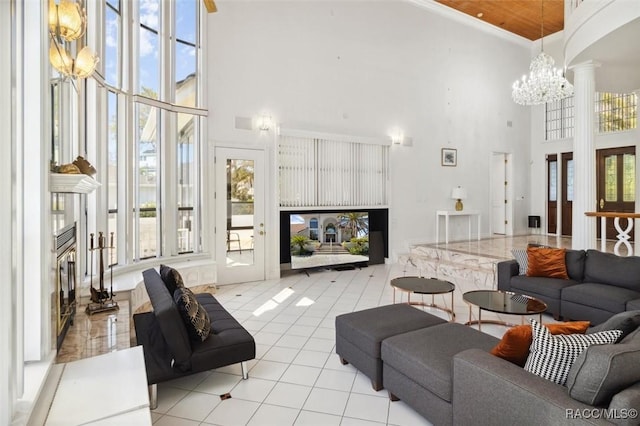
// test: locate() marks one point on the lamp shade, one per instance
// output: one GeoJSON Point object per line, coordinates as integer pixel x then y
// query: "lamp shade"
{"type": "Point", "coordinates": [85, 63]}
{"type": "Point", "coordinates": [60, 58]}
{"type": "Point", "coordinates": [458, 193]}
{"type": "Point", "coordinates": [66, 19]}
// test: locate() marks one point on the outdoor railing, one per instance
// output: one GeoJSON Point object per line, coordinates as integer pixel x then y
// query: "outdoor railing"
{"type": "Point", "coordinates": [624, 235]}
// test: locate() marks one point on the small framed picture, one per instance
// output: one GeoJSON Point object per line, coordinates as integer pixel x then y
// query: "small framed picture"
{"type": "Point", "coordinates": [449, 157]}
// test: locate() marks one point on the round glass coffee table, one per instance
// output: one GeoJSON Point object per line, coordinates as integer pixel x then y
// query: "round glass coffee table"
{"type": "Point", "coordinates": [422, 285]}
{"type": "Point", "coordinates": [502, 302]}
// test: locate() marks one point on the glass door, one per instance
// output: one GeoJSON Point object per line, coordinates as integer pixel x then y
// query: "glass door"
{"type": "Point", "coordinates": [240, 229]}
{"type": "Point", "coordinates": [616, 179]}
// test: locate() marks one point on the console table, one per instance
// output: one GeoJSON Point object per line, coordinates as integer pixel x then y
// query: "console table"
{"type": "Point", "coordinates": [109, 389]}
{"type": "Point", "coordinates": [447, 213]}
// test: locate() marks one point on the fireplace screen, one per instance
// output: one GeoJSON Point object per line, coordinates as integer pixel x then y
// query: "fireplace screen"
{"type": "Point", "coordinates": [65, 306]}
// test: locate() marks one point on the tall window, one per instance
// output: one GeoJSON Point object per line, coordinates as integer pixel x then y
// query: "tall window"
{"type": "Point", "coordinates": [559, 119]}
{"type": "Point", "coordinates": [616, 111]}
{"type": "Point", "coordinates": [153, 126]}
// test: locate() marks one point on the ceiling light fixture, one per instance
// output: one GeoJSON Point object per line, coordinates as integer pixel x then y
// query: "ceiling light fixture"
{"type": "Point", "coordinates": [67, 23]}
{"type": "Point", "coordinates": [545, 83]}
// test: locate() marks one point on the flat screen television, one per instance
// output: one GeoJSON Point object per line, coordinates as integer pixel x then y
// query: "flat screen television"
{"type": "Point", "coordinates": [320, 239]}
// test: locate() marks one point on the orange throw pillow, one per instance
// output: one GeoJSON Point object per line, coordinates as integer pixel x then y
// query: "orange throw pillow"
{"type": "Point", "coordinates": [546, 262]}
{"type": "Point", "coordinates": [514, 346]}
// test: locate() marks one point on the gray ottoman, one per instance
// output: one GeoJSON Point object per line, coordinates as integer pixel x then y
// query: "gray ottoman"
{"type": "Point", "coordinates": [359, 335]}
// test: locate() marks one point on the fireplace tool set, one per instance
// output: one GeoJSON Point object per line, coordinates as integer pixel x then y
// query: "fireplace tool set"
{"type": "Point", "coordinates": [101, 298]}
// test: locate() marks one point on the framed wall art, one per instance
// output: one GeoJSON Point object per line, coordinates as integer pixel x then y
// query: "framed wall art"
{"type": "Point", "coordinates": [449, 157]}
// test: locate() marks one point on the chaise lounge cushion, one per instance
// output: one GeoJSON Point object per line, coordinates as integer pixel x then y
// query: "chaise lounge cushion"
{"type": "Point", "coordinates": [426, 355]}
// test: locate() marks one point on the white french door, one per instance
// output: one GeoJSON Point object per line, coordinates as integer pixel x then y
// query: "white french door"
{"type": "Point", "coordinates": [240, 218]}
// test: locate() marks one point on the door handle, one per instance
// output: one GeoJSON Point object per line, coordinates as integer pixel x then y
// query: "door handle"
{"type": "Point", "coordinates": [602, 203]}
{"type": "Point", "coordinates": [261, 232]}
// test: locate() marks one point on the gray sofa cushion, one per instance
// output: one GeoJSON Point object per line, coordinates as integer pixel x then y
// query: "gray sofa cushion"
{"type": "Point", "coordinates": [601, 371]}
{"type": "Point", "coordinates": [607, 268]}
{"type": "Point", "coordinates": [626, 322]}
{"type": "Point", "coordinates": [426, 355]}
{"type": "Point", "coordinates": [603, 296]}
{"type": "Point", "coordinates": [550, 287]}
{"type": "Point", "coordinates": [574, 259]}
{"type": "Point", "coordinates": [633, 305]}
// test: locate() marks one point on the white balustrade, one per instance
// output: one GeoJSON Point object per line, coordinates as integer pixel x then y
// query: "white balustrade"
{"type": "Point", "coordinates": [624, 235]}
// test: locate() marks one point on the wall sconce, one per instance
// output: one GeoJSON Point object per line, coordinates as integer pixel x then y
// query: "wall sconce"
{"type": "Point", "coordinates": [264, 122]}
{"type": "Point", "coordinates": [459, 194]}
{"type": "Point", "coordinates": [67, 23]}
{"type": "Point", "coordinates": [397, 138]}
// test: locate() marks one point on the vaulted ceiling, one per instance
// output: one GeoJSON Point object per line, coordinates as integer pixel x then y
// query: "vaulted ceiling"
{"type": "Point", "coordinates": [522, 17]}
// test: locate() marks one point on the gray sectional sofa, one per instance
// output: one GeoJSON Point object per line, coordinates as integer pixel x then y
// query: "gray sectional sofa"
{"type": "Point", "coordinates": [446, 373]}
{"type": "Point", "coordinates": [599, 285]}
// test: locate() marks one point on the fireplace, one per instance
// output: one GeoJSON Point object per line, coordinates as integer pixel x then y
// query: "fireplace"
{"type": "Point", "coordinates": [66, 274]}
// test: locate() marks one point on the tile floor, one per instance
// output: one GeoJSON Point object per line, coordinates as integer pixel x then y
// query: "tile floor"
{"type": "Point", "coordinates": [296, 378]}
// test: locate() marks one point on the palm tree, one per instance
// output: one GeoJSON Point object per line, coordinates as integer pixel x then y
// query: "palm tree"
{"type": "Point", "coordinates": [355, 223]}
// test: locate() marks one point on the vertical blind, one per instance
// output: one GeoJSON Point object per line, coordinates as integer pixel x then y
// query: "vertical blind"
{"type": "Point", "coordinates": [324, 172]}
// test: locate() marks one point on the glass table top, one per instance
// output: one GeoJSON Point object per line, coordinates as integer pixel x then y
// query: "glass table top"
{"type": "Point", "coordinates": [505, 302]}
{"type": "Point", "coordinates": [423, 285]}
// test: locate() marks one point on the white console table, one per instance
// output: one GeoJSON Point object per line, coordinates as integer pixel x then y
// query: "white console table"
{"type": "Point", "coordinates": [109, 389]}
{"type": "Point", "coordinates": [447, 213]}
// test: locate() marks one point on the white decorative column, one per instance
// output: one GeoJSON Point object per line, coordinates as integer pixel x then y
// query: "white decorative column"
{"type": "Point", "coordinates": [584, 156]}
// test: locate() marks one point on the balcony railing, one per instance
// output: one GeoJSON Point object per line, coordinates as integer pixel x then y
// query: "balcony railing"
{"type": "Point", "coordinates": [624, 235]}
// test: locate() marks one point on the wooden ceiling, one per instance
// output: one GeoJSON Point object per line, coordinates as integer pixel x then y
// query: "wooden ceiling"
{"type": "Point", "coordinates": [522, 17]}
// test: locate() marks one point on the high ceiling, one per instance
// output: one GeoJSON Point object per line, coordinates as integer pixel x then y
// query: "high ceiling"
{"type": "Point", "coordinates": [522, 17]}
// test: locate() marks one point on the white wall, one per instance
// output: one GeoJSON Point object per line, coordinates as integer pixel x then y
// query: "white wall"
{"type": "Point", "coordinates": [365, 68]}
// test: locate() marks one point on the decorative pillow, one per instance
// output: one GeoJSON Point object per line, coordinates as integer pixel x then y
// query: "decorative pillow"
{"type": "Point", "coordinates": [626, 322]}
{"type": "Point", "coordinates": [171, 278]}
{"type": "Point", "coordinates": [551, 357]}
{"type": "Point", "coordinates": [546, 262]}
{"type": "Point", "coordinates": [520, 255]}
{"type": "Point", "coordinates": [515, 343]}
{"type": "Point", "coordinates": [602, 371]}
{"type": "Point", "coordinates": [195, 316]}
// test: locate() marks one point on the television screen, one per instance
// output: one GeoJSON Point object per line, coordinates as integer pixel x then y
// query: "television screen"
{"type": "Point", "coordinates": [328, 238]}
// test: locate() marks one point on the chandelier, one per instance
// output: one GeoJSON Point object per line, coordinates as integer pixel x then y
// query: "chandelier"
{"type": "Point", "coordinates": [67, 23]}
{"type": "Point", "coordinates": [545, 83]}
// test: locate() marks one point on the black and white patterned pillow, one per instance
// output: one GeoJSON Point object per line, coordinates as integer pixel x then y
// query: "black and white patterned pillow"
{"type": "Point", "coordinates": [171, 278]}
{"type": "Point", "coordinates": [195, 316]}
{"type": "Point", "coordinates": [551, 356]}
{"type": "Point", "coordinates": [520, 255]}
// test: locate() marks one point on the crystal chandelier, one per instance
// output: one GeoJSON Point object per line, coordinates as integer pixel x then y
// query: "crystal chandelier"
{"type": "Point", "coordinates": [545, 83]}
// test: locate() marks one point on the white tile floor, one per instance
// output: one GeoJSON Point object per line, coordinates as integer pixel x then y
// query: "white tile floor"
{"type": "Point", "coordinates": [296, 378]}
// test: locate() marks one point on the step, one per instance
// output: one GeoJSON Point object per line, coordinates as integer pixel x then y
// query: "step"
{"type": "Point", "coordinates": [452, 265]}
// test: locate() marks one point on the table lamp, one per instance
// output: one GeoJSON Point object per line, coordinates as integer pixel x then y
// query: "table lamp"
{"type": "Point", "coordinates": [458, 194]}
